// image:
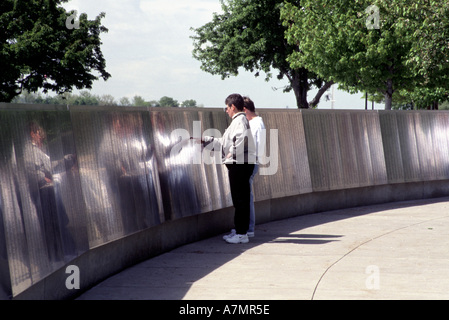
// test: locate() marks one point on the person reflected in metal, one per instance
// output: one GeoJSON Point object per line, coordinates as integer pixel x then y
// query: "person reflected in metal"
{"type": "Point", "coordinates": [42, 183]}
{"type": "Point", "coordinates": [127, 157]}
{"type": "Point", "coordinates": [5, 277]}
{"type": "Point", "coordinates": [178, 194]}
{"type": "Point", "coordinates": [238, 154]}
{"type": "Point", "coordinates": [257, 128]}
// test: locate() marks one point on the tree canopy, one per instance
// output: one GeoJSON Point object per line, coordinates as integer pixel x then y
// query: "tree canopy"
{"type": "Point", "coordinates": [249, 34]}
{"type": "Point", "coordinates": [407, 51]}
{"type": "Point", "coordinates": [43, 47]}
{"type": "Point", "coordinates": [87, 98]}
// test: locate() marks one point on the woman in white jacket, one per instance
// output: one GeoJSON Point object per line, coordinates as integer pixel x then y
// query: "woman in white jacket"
{"type": "Point", "coordinates": [257, 127]}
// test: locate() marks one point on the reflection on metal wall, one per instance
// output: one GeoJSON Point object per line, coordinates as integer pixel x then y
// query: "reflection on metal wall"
{"type": "Point", "coordinates": [5, 277]}
{"type": "Point", "coordinates": [416, 145]}
{"type": "Point", "coordinates": [345, 149]}
{"type": "Point", "coordinates": [72, 179]}
{"type": "Point", "coordinates": [43, 216]}
{"type": "Point", "coordinates": [118, 172]}
{"type": "Point", "coordinates": [293, 173]}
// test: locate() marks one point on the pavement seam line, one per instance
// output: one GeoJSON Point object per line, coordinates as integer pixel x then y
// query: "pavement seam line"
{"type": "Point", "coordinates": [372, 239]}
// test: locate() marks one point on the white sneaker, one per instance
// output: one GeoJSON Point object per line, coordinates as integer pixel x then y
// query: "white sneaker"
{"type": "Point", "coordinates": [238, 238]}
{"type": "Point", "coordinates": [250, 234]}
{"type": "Point", "coordinates": [233, 232]}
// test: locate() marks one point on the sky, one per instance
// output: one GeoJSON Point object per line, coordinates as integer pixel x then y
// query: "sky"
{"type": "Point", "coordinates": [148, 52]}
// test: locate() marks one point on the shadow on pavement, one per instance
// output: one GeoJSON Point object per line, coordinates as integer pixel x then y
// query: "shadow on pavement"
{"type": "Point", "coordinates": [171, 275]}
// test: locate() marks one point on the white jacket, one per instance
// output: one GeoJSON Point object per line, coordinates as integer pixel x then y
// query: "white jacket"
{"type": "Point", "coordinates": [259, 135]}
{"type": "Point", "coordinates": [237, 143]}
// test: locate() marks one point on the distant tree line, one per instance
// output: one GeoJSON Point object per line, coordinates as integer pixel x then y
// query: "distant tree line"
{"type": "Point", "coordinates": [89, 99]}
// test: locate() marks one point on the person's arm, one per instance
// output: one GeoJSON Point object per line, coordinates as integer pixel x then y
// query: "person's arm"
{"type": "Point", "coordinates": [206, 140]}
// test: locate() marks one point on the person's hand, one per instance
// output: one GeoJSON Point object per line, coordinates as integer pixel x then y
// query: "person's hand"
{"type": "Point", "coordinates": [56, 178]}
{"type": "Point", "coordinates": [197, 140]}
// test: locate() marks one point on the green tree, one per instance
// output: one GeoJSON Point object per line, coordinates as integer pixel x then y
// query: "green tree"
{"type": "Point", "coordinates": [168, 102]}
{"type": "Point", "coordinates": [338, 41]}
{"type": "Point", "coordinates": [107, 100]}
{"type": "Point", "coordinates": [85, 98]}
{"type": "Point", "coordinates": [189, 104]}
{"type": "Point", "coordinates": [419, 98]}
{"type": "Point", "coordinates": [154, 103]}
{"type": "Point", "coordinates": [426, 23]}
{"type": "Point", "coordinates": [138, 101]}
{"type": "Point", "coordinates": [43, 47]}
{"type": "Point", "coordinates": [125, 102]}
{"type": "Point", "coordinates": [29, 98]}
{"type": "Point", "coordinates": [249, 34]}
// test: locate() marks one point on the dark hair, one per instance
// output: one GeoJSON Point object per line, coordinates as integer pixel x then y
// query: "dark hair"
{"type": "Point", "coordinates": [236, 100]}
{"type": "Point", "coordinates": [34, 127]}
{"type": "Point", "coordinates": [249, 104]}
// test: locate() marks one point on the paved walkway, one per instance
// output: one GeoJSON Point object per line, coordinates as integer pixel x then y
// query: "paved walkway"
{"type": "Point", "coordinates": [391, 251]}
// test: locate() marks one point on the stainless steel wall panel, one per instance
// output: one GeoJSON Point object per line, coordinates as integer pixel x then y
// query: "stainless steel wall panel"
{"type": "Point", "coordinates": [213, 185]}
{"type": "Point", "coordinates": [376, 150]}
{"type": "Point", "coordinates": [316, 151]}
{"type": "Point", "coordinates": [304, 184]}
{"type": "Point", "coordinates": [28, 253]}
{"type": "Point", "coordinates": [206, 169]}
{"type": "Point", "coordinates": [262, 184]}
{"type": "Point", "coordinates": [292, 176]}
{"type": "Point", "coordinates": [287, 180]}
{"type": "Point", "coordinates": [101, 217]}
{"type": "Point", "coordinates": [219, 121]}
{"type": "Point", "coordinates": [153, 202]}
{"type": "Point", "coordinates": [270, 160]}
{"type": "Point", "coordinates": [425, 148]}
{"type": "Point", "coordinates": [323, 144]}
{"type": "Point", "coordinates": [126, 151]}
{"type": "Point", "coordinates": [362, 153]}
{"type": "Point", "coordinates": [351, 175]}
{"type": "Point", "coordinates": [415, 145]}
{"type": "Point", "coordinates": [119, 174]}
{"type": "Point", "coordinates": [40, 222]}
{"type": "Point", "coordinates": [369, 154]}
{"type": "Point", "coordinates": [12, 239]}
{"type": "Point", "coordinates": [173, 153]}
{"type": "Point", "coordinates": [214, 176]}
{"type": "Point", "coordinates": [409, 146]}
{"type": "Point", "coordinates": [345, 149]}
{"type": "Point", "coordinates": [440, 138]}
{"type": "Point", "coordinates": [333, 156]}
{"type": "Point", "coordinates": [5, 276]}
{"type": "Point", "coordinates": [392, 147]}
{"type": "Point", "coordinates": [103, 173]}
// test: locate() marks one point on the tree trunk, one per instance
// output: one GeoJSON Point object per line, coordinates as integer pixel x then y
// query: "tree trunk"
{"type": "Point", "coordinates": [320, 93]}
{"type": "Point", "coordinates": [388, 101]}
{"type": "Point", "coordinates": [299, 83]}
{"type": "Point", "coordinates": [435, 105]}
{"type": "Point", "coordinates": [389, 94]}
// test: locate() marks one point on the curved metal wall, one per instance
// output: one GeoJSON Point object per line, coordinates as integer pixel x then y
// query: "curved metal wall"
{"type": "Point", "coordinates": [345, 149]}
{"type": "Point", "coordinates": [99, 174]}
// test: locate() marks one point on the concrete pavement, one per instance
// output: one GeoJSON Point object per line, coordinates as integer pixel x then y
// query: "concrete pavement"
{"type": "Point", "coordinates": [388, 251]}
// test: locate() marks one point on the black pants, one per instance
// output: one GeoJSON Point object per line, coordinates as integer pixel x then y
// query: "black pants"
{"type": "Point", "coordinates": [239, 175]}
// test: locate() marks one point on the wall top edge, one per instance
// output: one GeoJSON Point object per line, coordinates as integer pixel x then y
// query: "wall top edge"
{"type": "Point", "coordinates": [49, 107]}
{"type": "Point", "coordinates": [32, 107]}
